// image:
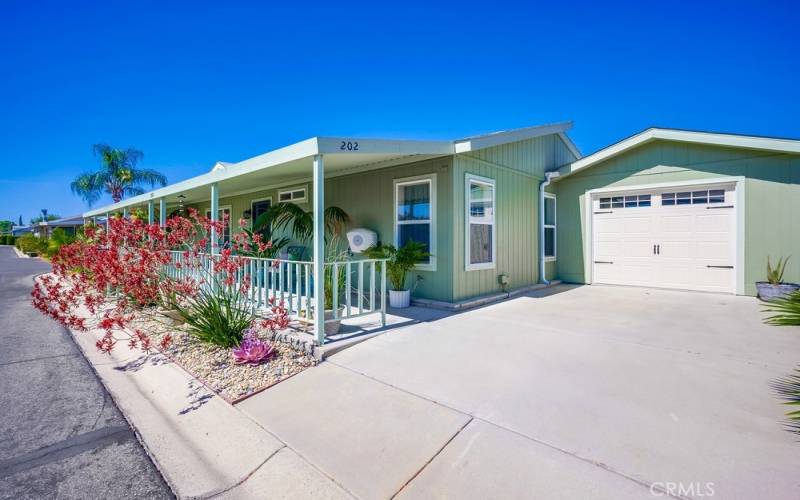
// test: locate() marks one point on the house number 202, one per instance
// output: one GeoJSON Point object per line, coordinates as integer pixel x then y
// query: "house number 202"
{"type": "Point", "coordinates": [349, 146]}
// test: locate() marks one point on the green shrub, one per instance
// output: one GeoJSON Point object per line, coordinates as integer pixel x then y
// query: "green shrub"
{"type": "Point", "coordinates": [58, 238]}
{"type": "Point", "coordinates": [10, 239]}
{"type": "Point", "coordinates": [786, 309]}
{"type": "Point", "coordinates": [31, 244]}
{"type": "Point", "coordinates": [218, 315]}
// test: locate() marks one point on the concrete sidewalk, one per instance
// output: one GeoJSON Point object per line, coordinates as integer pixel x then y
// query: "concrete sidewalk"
{"type": "Point", "coordinates": [203, 446]}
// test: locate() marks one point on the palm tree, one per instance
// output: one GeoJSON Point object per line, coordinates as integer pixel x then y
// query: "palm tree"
{"type": "Point", "coordinates": [117, 176]}
{"type": "Point", "coordinates": [288, 216]}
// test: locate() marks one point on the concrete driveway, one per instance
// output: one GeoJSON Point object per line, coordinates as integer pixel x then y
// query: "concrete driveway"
{"type": "Point", "coordinates": [577, 392]}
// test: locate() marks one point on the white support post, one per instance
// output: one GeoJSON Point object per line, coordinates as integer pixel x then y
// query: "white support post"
{"type": "Point", "coordinates": [126, 213]}
{"type": "Point", "coordinates": [319, 249]}
{"type": "Point", "coordinates": [108, 222]}
{"type": "Point", "coordinates": [214, 217]}
{"type": "Point", "coordinates": [151, 212]}
{"type": "Point", "coordinates": [162, 212]}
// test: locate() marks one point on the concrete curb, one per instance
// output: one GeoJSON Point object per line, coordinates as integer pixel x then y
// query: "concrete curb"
{"type": "Point", "coordinates": [20, 254]}
{"type": "Point", "coordinates": [201, 445]}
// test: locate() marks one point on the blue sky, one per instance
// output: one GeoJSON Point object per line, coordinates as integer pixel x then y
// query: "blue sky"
{"type": "Point", "coordinates": [193, 83]}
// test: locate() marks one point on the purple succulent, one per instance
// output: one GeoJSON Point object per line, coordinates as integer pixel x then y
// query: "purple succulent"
{"type": "Point", "coordinates": [252, 350]}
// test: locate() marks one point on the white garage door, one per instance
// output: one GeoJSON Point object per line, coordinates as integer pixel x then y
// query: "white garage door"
{"type": "Point", "coordinates": [670, 238]}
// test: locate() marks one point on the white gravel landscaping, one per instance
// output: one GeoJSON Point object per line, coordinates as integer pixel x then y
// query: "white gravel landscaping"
{"type": "Point", "coordinates": [215, 367]}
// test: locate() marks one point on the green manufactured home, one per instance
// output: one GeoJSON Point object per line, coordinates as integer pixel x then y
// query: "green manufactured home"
{"type": "Point", "coordinates": [663, 208]}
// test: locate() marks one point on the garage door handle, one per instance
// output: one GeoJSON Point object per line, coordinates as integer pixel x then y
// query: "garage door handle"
{"type": "Point", "coordinates": [721, 267]}
{"type": "Point", "coordinates": [723, 206]}
{"type": "Point", "coordinates": [605, 212]}
{"type": "Point", "coordinates": [603, 262]}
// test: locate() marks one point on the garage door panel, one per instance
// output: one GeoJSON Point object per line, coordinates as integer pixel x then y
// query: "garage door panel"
{"type": "Point", "coordinates": [637, 249]}
{"type": "Point", "coordinates": [680, 243]}
{"type": "Point", "coordinates": [637, 225]}
{"type": "Point", "coordinates": [714, 251]}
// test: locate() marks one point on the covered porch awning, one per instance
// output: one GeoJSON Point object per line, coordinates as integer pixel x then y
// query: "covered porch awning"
{"type": "Point", "coordinates": [288, 165]}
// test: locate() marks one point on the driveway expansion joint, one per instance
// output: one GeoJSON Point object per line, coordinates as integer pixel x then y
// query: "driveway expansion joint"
{"type": "Point", "coordinates": [438, 452]}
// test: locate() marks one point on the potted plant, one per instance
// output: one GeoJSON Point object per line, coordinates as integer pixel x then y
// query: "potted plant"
{"type": "Point", "coordinates": [400, 262]}
{"type": "Point", "coordinates": [334, 321]}
{"type": "Point", "coordinates": [774, 287]}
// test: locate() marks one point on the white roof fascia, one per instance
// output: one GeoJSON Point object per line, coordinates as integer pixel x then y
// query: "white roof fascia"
{"type": "Point", "coordinates": [652, 134]}
{"type": "Point", "coordinates": [573, 148]}
{"type": "Point", "coordinates": [498, 138]}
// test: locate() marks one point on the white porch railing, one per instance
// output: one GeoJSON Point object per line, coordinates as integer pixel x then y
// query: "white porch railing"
{"type": "Point", "coordinates": [357, 287]}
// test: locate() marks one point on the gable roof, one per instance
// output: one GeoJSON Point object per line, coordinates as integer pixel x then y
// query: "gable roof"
{"type": "Point", "coordinates": [515, 135]}
{"type": "Point", "coordinates": [668, 134]}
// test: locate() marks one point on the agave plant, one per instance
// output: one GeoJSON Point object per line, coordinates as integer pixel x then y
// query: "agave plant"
{"type": "Point", "coordinates": [252, 350]}
{"type": "Point", "coordinates": [786, 309]}
{"type": "Point", "coordinates": [788, 388]}
{"type": "Point", "coordinates": [775, 274]}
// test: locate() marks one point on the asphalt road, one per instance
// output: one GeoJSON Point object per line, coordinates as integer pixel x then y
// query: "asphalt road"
{"type": "Point", "coordinates": [61, 436]}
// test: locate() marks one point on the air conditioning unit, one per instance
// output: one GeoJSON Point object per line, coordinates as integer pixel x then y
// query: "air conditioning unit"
{"type": "Point", "coordinates": [360, 239]}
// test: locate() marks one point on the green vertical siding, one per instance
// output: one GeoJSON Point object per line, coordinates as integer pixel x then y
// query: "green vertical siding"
{"type": "Point", "coordinates": [517, 168]}
{"type": "Point", "coordinates": [772, 199]}
{"type": "Point", "coordinates": [369, 199]}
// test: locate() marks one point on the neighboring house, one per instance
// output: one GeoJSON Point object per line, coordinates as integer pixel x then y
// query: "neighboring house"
{"type": "Point", "coordinates": [20, 230]}
{"type": "Point", "coordinates": [69, 224]}
{"type": "Point", "coordinates": [663, 208]}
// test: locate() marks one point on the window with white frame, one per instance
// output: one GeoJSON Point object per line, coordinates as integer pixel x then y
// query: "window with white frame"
{"type": "Point", "coordinates": [549, 227]}
{"type": "Point", "coordinates": [293, 195]}
{"type": "Point", "coordinates": [480, 230]}
{"type": "Point", "coordinates": [257, 209]}
{"type": "Point", "coordinates": [415, 206]}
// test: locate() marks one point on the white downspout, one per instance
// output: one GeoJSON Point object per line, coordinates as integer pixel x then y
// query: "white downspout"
{"type": "Point", "coordinates": [548, 176]}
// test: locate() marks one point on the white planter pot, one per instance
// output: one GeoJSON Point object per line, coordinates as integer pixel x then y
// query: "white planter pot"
{"type": "Point", "coordinates": [399, 298]}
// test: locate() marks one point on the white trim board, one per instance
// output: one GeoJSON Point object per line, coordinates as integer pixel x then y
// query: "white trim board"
{"type": "Point", "coordinates": [737, 181]}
